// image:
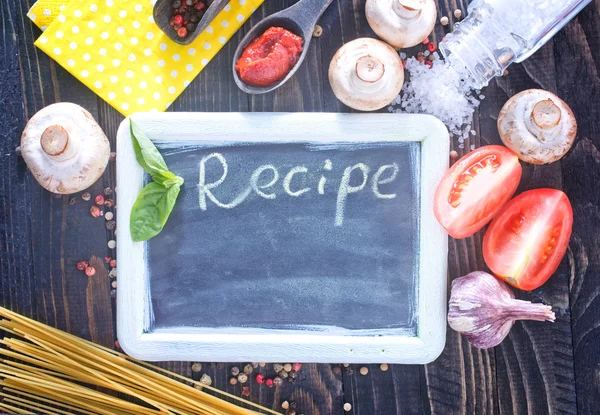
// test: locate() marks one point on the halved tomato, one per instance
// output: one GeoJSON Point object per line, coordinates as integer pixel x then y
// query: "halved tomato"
{"type": "Point", "coordinates": [529, 237]}
{"type": "Point", "coordinates": [475, 188]}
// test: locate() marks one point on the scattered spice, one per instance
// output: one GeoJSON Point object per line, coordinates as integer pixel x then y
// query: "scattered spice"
{"type": "Point", "coordinates": [242, 378]}
{"type": "Point", "coordinates": [112, 156]}
{"type": "Point", "coordinates": [505, 73]}
{"type": "Point", "coordinates": [347, 407]}
{"type": "Point", "coordinates": [336, 370]}
{"type": "Point", "coordinates": [254, 365]}
{"type": "Point", "coordinates": [86, 196]}
{"type": "Point", "coordinates": [293, 404]}
{"type": "Point", "coordinates": [109, 203]}
{"type": "Point", "coordinates": [285, 405]}
{"type": "Point", "coordinates": [262, 364]}
{"type": "Point", "coordinates": [444, 20]}
{"type": "Point", "coordinates": [117, 344]}
{"type": "Point", "coordinates": [235, 371]}
{"type": "Point", "coordinates": [233, 381]}
{"type": "Point", "coordinates": [425, 41]}
{"type": "Point", "coordinates": [277, 367]}
{"type": "Point", "coordinates": [186, 15]}
{"type": "Point", "coordinates": [99, 200]}
{"type": "Point", "coordinates": [318, 31]}
{"type": "Point", "coordinates": [277, 381]}
{"type": "Point", "coordinates": [291, 412]}
{"type": "Point", "coordinates": [107, 191]}
{"type": "Point", "coordinates": [113, 263]}
{"type": "Point", "coordinates": [107, 259]}
{"type": "Point", "coordinates": [112, 244]}
{"type": "Point", "coordinates": [287, 367]}
{"type": "Point", "coordinates": [297, 367]}
{"type": "Point", "coordinates": [453, 154]}
{"type": "Point", "coordinates": [72, 201]}
{"type": "Point", "coordinates": [431, 47]}
{"type": "Point", "coordinates": [113, 284]}
{"type": "Point", "coordinates": [95, 211]}
{"type": "Point", "coordinates": [113, 293]}
{"type": "Point", "coordinates": [111, 224]}
{"type": "Point", "coordinates": [196, 367]}
{"type": "Point", "coordinates": [364, 370]}
{"type": "Point", "coordinates": [269, 382]}
{"type": "Point", "coordinates": [283, 374]}
{"type": "Point", "coordinates": [82, 265]}
{"type": "Point", "coordinates": [206, 380]}
{"type": "Point", "coordinates": [384, 367]}
{"type": "Point", "coordinates": [260, 378]}
{"type": "Point", "coordinates": [248, 369]}
{"type": "Point", "coordinates": [90, 271]}
{"type": "Point", "coordinates": [108, 216]}
{"type": "Point", "coordinates": [458, 13]}
{"type": "Point", "coordinates": [113, 273]}
{"type": "Point", "coordinates": [346, 364]}
{"type": "Point", "coordinates": [245, 391]}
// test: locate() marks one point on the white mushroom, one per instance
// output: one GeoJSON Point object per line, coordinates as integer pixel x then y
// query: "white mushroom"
{"type": "Point", "coordinates": [64, 148]}
{"type": "Point", "coordinates": [366, 74]}
{"type": "Point", "coordinates": [401, 23]}
{"type": "Point", "coordinates": [538, 126]}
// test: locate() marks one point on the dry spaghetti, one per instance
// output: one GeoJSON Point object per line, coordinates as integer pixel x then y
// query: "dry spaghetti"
{"type": "Point", "coordinates": [48, 371]}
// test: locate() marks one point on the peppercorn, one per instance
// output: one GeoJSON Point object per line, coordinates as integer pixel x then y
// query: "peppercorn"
{"type": "Point", "coordinates": [113, 293]}
{"type": "Point", "coordinates": [283, 374]}
{"type": "Point", "coordinates": [336, 370]}
{"type": "Point", "coordinates": [277, 367]}
{"type": "Point", "coordinates": [107, 259]}
{"type": "Point", "coordinates": [349, 371]}
{"type": "Point", "coordinates": [90, 271]}
{"type": "Point", "coordinates": [248, 369]}
{"type": "Point", "coordinates": [347, 407]}
{"type": "Point", "coordinates": [113, 284]}
{"type": "Point", "coordinates": [82, 265]}
{"type": "Point", "coordinates": [277, 381]}
{"type": "Point", "coordinates": [431, 47]}
{"type": "Point", "coordinates": [287, 367]}
{"type": "Point", "coordinates": [190, 27]}
{"type": "Point", "coordinates": [364, 370]}
{"type": "Point", "coordinates": [269, 382]}
{"type": "Point", "coordinates": [425, 41]}
{"type": "Point", "coordinates": [235, 371]}
{"type": "Point", "coordinates": [176, 4]}
{"type": "Point", "coordinates": [458, 13]}
{"type": "Point", "coordinates": [196, 367]}
{"type": "Point", "coordinates": [112, 244]}
{"type": "Point", "coordinates": [505, 73]}
{"type": "Point", "coordinates": [297, 366]}
{"type": "Point", "coordinates": [453, 154]}
{"type": "Point", "coordinates": [262, 364]}
{"type": "Point", "coordinates": [260, 379]}
{"type": "Point", "coordinates": [95, 211]}
{"type": "Point", "coordinates": [99, 200]}
{"type": "Point", "coordinates": [293, 404]}
{"type": "Point", "coordinates": [86, 196]}
{"type": "Point", "coordinates": [285, 405]}
{"type": "Point", "coordinates": [109, 203]}
{"type": "Point", "coordinates": [72, 201]}
{"type": "Point", "coordinates": [182, 32]}
{"type": "Point", "coordinates": [429, 63]}
{"type": "Point", "coordinates": [200, 6]}
{"type": "Point", "coordinates": [245, 391]}
{"type": "Point", "coordinates": [254, 365]}
{"type": "Point", "coordinates": [318, 31]}
{"type": "Point", "coordinates": [108, 191]}
{"type": "Point", "coordinates": [444, 20]}
{"type": "Point", "coordinates": [384, 367]}
{"type": "Point", "coordinates": [206, 380]}
{"type": "Point", "coordinates": [346, 364]}
{"type": "Point", "coordinates": [113, 273]}
{"type": "Point", "coordinates": [233, 381]}
{"type": "Point", "coordinates": [112, 156]}
{"type": "Point", "coordinates": [291, 412]}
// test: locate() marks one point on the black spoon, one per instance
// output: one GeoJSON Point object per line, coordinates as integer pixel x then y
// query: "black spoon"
{"type": "Point", "coordinates": [299, 19]}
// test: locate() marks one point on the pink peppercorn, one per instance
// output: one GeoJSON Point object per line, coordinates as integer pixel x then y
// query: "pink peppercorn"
{"type": "Point", "coordinates": [178, 19]}
{"type": "Point", "coordinates": [431, 47]}
{"type": "Point", "coordinates": [269, 382]}
{"type": "Point", "coordinates": [99, 200]}
{"type": "Point", "coordinates": [90, 271]}
{"type": "Point", "coordinates": [82, 265]}
{"type": "Point", "coordinates": [113, 263]}
{"type": "Point", "coordinates": [95, 211]}
{"type": "Point", "coordinates": [426, 41]}
{"type": "Point", "coordinates": [429, 63]}
{"type": "Point", "coordinates": [296, 367]}
{"type": "Point", "coordinates": [182, 32]}
{"type": "Point", "coordinates": [260, 379]}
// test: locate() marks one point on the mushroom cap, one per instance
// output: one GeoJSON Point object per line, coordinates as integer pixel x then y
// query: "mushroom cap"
{"type": "Point", "coordinates": [538, 126]}
{"type": "Point", "coordinates": [401, 23]}
{"type": "Point", "coordinates": [366, 74]}
{"type": "Point", "coordinates": [64, 147]}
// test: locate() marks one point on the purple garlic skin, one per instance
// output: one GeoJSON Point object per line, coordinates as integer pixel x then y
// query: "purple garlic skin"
{"type": "Point", "coordinates": [484, 309]}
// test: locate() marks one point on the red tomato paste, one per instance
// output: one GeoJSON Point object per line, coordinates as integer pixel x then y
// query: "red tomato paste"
{"type": "Point", "coordinates": [269, 57]}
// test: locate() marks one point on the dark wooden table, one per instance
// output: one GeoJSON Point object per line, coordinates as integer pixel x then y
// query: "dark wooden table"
{"type": "Point", "coordinates": [539, 368]}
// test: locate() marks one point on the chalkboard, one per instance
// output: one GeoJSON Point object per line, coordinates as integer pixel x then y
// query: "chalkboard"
{"type": "Point", "coordinates": [296, 237]}
{"type": "Point", "coordinates": [290, 261]}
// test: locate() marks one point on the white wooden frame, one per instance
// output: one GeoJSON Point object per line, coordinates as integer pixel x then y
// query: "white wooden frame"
{"type": "Point", "coordinates": [262, 345]}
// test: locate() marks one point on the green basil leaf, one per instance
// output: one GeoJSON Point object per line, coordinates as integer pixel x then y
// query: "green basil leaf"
{"type": "Point", "coordinates": [151, 210]}
{"type": "Point", "coordinates": [146, 153]}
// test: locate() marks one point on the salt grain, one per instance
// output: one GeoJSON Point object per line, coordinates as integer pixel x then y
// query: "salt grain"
{"type": "Point", "coordinates": [440, 91]}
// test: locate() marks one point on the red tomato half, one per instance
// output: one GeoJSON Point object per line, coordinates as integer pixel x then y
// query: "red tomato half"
{"type": "Point", "coordinates": [475, 188]}
{"type": "Point", "coordinates": [529, 237]}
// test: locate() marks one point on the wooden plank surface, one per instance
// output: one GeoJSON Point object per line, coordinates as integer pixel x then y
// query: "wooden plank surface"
{"type": "Point", "coordinates": [539, 368]}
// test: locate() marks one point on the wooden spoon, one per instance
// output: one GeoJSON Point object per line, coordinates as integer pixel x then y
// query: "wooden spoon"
{"type": "Point", "coordinates": [299, 19]}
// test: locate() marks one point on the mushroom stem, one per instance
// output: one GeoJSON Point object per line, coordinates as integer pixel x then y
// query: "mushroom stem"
{"type": "Point", "coordinates": [369, 69]}
{"type": "Point", "coordinates": [544, 121]}
{"type": "Point", "coordinates": [407, 9]}
{"type": "Point", "coordinates": [55, 142]}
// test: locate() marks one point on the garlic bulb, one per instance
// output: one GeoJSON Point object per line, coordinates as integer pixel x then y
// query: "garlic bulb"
{"type": "Point", "coordinates": [484, 309]}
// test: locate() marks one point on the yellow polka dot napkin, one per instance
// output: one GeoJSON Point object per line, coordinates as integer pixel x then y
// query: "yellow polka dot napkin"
{"type": "Point", "coordinates": [44, 12]}
{"type": "Point", "coordinates": [115, 48]}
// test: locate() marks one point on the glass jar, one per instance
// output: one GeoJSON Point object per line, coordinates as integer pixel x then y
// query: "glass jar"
{"type": "Point", "coordinates": [497, 33]}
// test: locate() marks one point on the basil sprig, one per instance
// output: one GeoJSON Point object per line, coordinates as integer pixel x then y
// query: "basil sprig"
{"type": "Point", "coordinates": [157, 199]}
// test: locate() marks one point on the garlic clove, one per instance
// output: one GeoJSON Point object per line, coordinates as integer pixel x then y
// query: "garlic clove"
{"type": "Point", "coordinates": [401, 23]}
{"type": "Point", "coordinates": [484, 309]}
{"type": "Point", "coordinates": [538, 126]}
{"type": "Point", "coordinates": [366, 74]}
{"type": "Point", "coordinates": [64, 147]}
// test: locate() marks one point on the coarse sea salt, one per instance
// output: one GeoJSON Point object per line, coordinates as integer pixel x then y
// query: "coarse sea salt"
{"type": "Point", "coordinates": [440, 91]}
